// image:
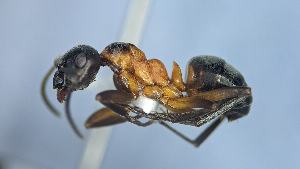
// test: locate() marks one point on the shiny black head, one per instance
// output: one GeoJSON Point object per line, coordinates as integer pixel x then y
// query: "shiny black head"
{"type": "Point", "coordinates": [76, 69]}
{"type": "Point", "coordinates": [210, 72]}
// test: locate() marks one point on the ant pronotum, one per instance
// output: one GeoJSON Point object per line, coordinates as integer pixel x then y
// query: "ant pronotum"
{"type": "Point", "coordinates": [213, 88]}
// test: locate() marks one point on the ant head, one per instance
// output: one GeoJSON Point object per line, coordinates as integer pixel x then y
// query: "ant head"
{"type": "Point", "coordinates": [75, 70]}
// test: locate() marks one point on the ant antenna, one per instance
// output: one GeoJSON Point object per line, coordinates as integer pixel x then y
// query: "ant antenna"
{"type": "Point", "coordinates": [44, 94]}
{"type": "Point", "coordinates": [69, 117]}
{"type": "Point", "coordinates": [52, 108]}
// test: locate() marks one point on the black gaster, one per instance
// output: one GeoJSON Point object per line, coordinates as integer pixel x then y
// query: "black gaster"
{"type": "Point", "coordinates": [206, 73]}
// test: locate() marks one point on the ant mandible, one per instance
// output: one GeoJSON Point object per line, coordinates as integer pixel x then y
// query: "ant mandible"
{"type": "Point", "coordinates": [213, 89]}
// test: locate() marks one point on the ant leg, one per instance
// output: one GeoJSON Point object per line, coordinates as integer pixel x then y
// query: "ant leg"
{"type": "Point", "coordinates": [200, 120]}
{"type": "Point", "coordinates": [223, 110]}
{"type": "Point", "coordinates": [107, 116]}
{"type": "Point", "coordinates": [118, 101]}
{"type": "Point", "coordinates": [224, 93]}
{"type": "Point", "coordinates": [172, 117]}
{"type": "Point", "coordinates": [198, 117]}
{"type": "Point", "coordinates": [104, 117]}
{"type": "Point", "coordinates": [240, 110]}
{"type": "Point", "coordinates": [44, 94]}
{"type": "Point", "coordinates": [124, 110]}
{"type": "Point", "coordinates": [205, 99]}
{"type": "Point", "coordinates": [209, 109]}
{"type": "Point", "coordinates": [202, 137]}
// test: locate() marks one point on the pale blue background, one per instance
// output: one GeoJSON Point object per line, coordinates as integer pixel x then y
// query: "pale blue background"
{"type": "Point", "coordinates": [260, 38]}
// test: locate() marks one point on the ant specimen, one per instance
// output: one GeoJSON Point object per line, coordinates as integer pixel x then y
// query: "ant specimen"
{"type": "Point", "coordinates": [213, 89]}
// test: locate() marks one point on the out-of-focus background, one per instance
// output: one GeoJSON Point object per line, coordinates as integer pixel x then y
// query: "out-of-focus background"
{"type": "Point", "coordinates": [260, 38]}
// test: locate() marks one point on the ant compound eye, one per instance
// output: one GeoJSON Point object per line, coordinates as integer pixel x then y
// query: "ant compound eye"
{"type": "Point", "coordinates": [80, 60]}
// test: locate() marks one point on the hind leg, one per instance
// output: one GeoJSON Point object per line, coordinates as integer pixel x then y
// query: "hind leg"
{"type": "Point", "coordinates": [203, 135]}
{"type": "Point", "coordinates": [199, 120]}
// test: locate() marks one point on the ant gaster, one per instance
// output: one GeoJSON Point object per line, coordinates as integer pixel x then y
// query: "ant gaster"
{"type": "Point", "coordinates": [213, 88]}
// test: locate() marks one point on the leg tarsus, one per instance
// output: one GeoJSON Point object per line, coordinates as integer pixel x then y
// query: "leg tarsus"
{"type": "Point", "coordinates": [202, 137]}
{"type": "Point", "coordinates": [176, 132]}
